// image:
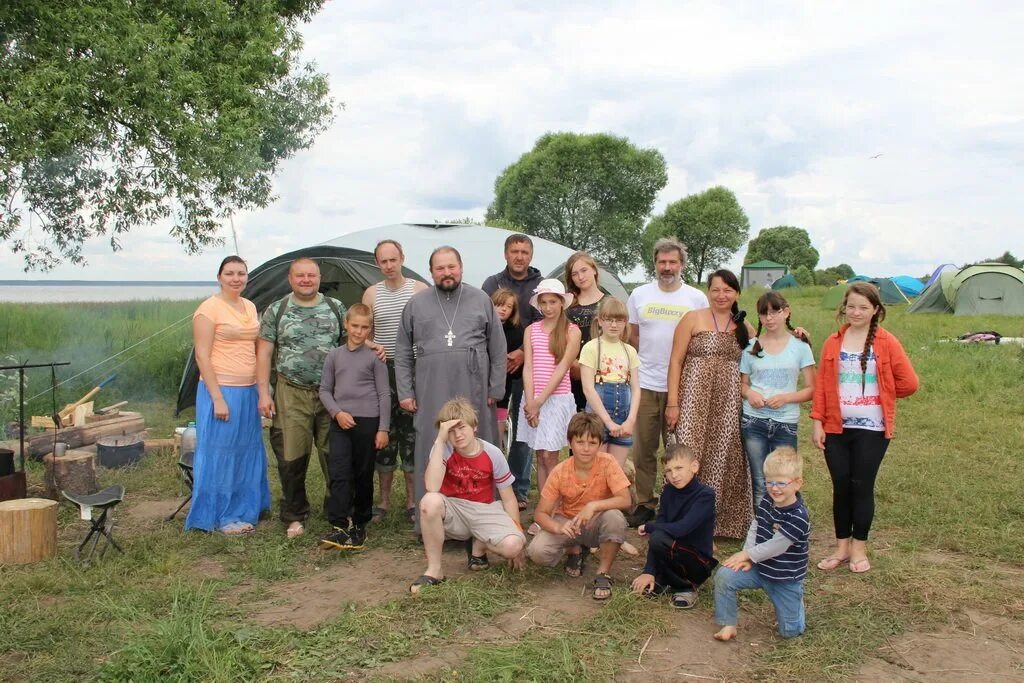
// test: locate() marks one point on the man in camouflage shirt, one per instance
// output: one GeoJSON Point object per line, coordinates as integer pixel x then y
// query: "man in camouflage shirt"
{"type": "Point", "coordinates": [295, 342]}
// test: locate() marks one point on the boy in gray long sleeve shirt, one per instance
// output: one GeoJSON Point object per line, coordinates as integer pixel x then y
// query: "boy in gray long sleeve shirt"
{"type": "Point", "coordinates": [354, 389]}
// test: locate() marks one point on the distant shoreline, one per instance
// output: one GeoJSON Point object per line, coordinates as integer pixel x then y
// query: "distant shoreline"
{"type": "Point", "coordinates": [107, 283]}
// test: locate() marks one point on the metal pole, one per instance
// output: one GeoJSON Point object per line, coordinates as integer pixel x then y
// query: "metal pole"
{"type": "Point", "coordinates": [21, 416]}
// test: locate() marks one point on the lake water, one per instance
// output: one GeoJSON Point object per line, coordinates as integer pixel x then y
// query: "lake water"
{"type": "Point", "coordinates": [68, 291]}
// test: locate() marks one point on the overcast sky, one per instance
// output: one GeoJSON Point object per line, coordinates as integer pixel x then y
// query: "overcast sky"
{"type": "Point", "coordinates": [785, 104]}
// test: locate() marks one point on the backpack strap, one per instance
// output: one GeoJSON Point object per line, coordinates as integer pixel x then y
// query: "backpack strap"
{"type": "Point", "coordinates": [337, 314]}
{"type": "Point", "coordinates": [282, 306]}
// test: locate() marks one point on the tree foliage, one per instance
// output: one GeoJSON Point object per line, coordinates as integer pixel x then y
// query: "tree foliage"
{"type": "Point", "coordinates": [783, 244]}
{"type": "Point", "coordinates": [711, 224]}
{"type": "Point", "coordinates": [587, 192]}
{"type": "Point", "coordinates": [833, 274]}
{"type": "Point", "coordinates": [115, 114]}
{"type": "Point", "coordinates": [803, 275]}
{"type": "Point", "coordinates": [1007, 258]}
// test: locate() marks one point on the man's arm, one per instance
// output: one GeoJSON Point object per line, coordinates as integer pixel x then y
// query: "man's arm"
{"type": "Point", "coordinates": [404, 377]}
{"type": "Point", "coordinates": [433, 477]}
{"type": "Point", "coordinates": [634, 336]}
{"type": "Point", "coordinates": [370, 296]}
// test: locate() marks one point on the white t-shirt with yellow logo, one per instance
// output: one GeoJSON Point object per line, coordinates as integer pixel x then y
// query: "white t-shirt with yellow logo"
{"type": "Point", "coordinates": [657, 313]}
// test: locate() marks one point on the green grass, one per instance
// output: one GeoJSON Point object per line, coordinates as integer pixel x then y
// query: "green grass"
{"type": "Point", "coordinates": [947, 536]}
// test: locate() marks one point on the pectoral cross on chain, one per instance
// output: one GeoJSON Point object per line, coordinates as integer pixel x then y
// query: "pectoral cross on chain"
{"type": "Point", "coordinates": [450, 337]}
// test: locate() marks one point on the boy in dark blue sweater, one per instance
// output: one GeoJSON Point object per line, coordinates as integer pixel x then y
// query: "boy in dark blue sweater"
{"type": "Point", "coordinates": [681, 537]}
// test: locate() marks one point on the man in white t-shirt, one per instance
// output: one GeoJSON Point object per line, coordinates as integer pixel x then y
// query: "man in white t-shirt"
{"type": "Point", "coordinates": [654, 311]}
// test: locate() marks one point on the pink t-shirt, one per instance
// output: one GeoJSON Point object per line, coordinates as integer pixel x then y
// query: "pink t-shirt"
{"type": "Point", "coordinates": [234, 341]}
{"type": "Point", "coordinates": [544, 363]}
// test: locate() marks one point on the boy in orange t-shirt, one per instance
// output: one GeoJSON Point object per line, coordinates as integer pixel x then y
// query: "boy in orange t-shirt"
{"type": "Point", "coordinates": [581, 507]}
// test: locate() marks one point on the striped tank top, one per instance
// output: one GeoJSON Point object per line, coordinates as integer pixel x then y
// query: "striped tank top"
{"type": "Point", "coordinates": [387, 313]}
{"type": "Point", "coordinates": [544, 363]}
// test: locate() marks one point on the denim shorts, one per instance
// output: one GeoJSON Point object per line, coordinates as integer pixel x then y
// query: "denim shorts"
{"type": "Point", "coordinates": [615, 398]}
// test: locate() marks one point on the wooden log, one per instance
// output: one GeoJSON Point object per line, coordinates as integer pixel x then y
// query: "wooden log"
{"type": "Point", "coordinates": [74, 472]}
{"type": "Point", "coordinates": [102, 417]}
{"type": "Point", "coordinates": [79, 414]}
{"type": "Point", "coordinates": [125, 423]}
{"type": "Point", "coordinates": [42, 421]}
{"type": "Point", "coordinates": [158, 444]}
{"type": "Point", "coordinates": [111, 408]}
{"type": "Point", "coordinates": [28, 530]}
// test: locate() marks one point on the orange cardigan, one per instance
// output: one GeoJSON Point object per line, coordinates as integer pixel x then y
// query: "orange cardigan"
{"type": "Point", "coordinates": [896, 379]}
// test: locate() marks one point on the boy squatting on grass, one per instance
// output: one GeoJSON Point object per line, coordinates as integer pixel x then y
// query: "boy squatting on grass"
{"type": "Point", "coordinates": [774, 556]}
{"type": "Point", "coordinates": [681, 538]}
{"type": "Point", "coordinates": [461, 476]}
{"type": "Point", "coordinates": [581, 506]}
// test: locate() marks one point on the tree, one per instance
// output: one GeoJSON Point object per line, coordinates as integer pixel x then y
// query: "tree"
{"type": "Point", "coordinates": [711, 224]}
{"type": "Point", "coordinates": [116, 114]}
{"type": "Point", "coordinates": [783, 244]}
{"type": "Point", "coordinates": [587, 192]}
{"type": "Point", "coordinates": [803, 275]}
{"type": "Point", "coordinates": [1007, 258]}
{"type": "Point", "coordinates": [830, 276]}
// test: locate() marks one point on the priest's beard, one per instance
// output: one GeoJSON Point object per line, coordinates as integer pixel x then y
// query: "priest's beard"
{"type": "Point", "coordinates": [448, 284]}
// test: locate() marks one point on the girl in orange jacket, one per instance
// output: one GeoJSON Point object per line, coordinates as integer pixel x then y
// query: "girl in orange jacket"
{"type": "Point", "coordinates": [863, 370]}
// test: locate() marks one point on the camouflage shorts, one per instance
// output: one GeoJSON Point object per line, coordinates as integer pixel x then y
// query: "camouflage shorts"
{"type": "Point", "coordinates": [402, 437]}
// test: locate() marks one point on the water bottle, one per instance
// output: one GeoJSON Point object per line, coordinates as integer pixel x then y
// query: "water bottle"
{"type": "Point", "coordinates": [188, 443]}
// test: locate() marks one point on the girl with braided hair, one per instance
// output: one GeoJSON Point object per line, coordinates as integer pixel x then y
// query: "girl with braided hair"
{"type": "Point", "coordinates": [864, 369]}
{"type": "Point", "coordinates": [770, 370]}
{"type": "Point", "coordinates": [704, 399]}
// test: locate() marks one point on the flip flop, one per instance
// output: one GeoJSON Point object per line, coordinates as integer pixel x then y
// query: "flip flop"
{"type": "Point", "coordinates": [410, 514]}
{"type": "Point", "coordinates": [295, 531]}
{"type": "Point", "coordinates": [424, 581]}
{"type": "Point", "coordinates": [832, 562]}
{"type": "Point", "coordinates": [860, 566]}
{"type": "Point", "coordinates": [237, 529]}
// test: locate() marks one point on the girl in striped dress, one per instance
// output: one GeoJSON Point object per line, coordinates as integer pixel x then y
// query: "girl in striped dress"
{"type": "Point", "coordinates": [550, 346]}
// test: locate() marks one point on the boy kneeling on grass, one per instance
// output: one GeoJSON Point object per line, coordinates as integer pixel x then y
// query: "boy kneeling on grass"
{"type": "Point", "coordinates": [460, 479]}
{"type": "Point", "coordinates": [681, 538]}
{"type": "Point", "coordinates": [774, 556]}
{"type": "Point", "coordinates": [581, 506]}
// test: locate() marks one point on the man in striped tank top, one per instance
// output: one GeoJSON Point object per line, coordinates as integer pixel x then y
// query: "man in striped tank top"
{"type": "Point", "coordinates": [387, 299]}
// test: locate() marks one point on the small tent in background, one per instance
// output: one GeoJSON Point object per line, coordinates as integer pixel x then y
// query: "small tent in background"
{"type": "Point", "coordinates": [887, 289]}
{"type": "Point", "coordinates": [910, 286]}
{"type": "Point", "coordinates": [985, 288]}
{"type": "Point", "coordinates": [785, 282]}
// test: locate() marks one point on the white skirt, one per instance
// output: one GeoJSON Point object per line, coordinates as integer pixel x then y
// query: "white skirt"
{"type": "Point", "coordinates": [549, 435]}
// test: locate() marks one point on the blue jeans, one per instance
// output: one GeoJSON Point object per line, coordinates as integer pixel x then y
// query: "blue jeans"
{"type": "Point", "coordinates": [520, 457]}
{"type": "Point", "coordinates": [787, 596]}
{"type": "Point", "coordinates": [615, 398]}
{"type": "Point", "coordinates": [761, 436]}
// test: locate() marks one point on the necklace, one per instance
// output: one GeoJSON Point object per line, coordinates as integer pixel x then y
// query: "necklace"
{"type": "Point", "coordinates": [450, 337]}
{"type": "Point", "coordinates": [714, 319]}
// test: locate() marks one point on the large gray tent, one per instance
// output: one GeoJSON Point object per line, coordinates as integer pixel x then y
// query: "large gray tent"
{"type": "Point", "coordinates": [347, 268]}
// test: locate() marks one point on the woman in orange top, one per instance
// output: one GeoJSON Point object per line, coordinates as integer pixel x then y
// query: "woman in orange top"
{"type": "Point", "coordinates": [863, 371]}
{"type": "Point", "coordinates": [230, 471]}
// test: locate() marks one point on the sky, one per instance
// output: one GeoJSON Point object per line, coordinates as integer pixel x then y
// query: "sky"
{"type": "Point", "coordinates": [892, 132]}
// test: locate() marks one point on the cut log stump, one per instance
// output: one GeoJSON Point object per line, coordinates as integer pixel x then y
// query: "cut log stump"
{"type": "Point", "coordinates": [74, 472]}
{"type": "Point", "coordinates": [28, 530]}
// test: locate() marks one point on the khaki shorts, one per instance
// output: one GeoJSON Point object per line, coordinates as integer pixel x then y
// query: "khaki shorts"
{"type": "Point", "coordinates": [548, 549]}
{"type": "Point", "coordinates": [487, 522]}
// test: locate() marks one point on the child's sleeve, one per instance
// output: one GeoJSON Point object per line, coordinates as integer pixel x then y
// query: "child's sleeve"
{"type": "Point", "coordinates": [700, 512]}
{"type": "Point", "coordinates": [327, 386]}
{"type": "Point", "coordinates": [588, 356]}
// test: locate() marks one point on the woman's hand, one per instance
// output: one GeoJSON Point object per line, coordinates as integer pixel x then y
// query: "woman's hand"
{"type": "Point", "coordinates": [818, 435]}
{"type": "Point", "coordinates": [220, 408]}
{"type": "Point", "coordinates": [671, 416]}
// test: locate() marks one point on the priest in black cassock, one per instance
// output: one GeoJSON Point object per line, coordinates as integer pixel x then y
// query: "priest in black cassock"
{"type": "Point", "coordinates": [450, 343]}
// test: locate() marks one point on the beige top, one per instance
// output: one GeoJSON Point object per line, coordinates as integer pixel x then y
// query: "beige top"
{"type": "Point", "coordinates": [234, 341]}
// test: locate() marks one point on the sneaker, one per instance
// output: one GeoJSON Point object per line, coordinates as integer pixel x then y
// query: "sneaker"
{"type": "Point", "coordinates": [357, 534]}
{"type": "Point", "coordinates": [339, 538]}
{"type": "Point", "coordinates": [684, 599]}
{"type": "Point", "coordinates": [641, 515]}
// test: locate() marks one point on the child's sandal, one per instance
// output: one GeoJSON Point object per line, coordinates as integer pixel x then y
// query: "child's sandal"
{"type": "Point", "coordinates": [603, 587]}
{"type": "Point", "coordinates": [476, 563]}
{"type": "Point", "coordinates": [574, 563]}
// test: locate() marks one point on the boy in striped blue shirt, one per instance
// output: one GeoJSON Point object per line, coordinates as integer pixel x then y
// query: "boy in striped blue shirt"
{"type": "Point", "coordinates": [774, 556]}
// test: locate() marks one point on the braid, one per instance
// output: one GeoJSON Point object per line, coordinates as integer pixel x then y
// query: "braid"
{"type": "Point", "coordinates": [867, 350]}
{"type": "Point", "coordinates": [738, 316]}
{"type": "Point", "coordinates": [756, 349]}
{"type": "Point", "coordinates": [789, 326]}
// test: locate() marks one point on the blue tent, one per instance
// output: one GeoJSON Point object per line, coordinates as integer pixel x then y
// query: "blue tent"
{"type": "Point", "coordinates": [937, 272]}
{"type": "Point", "coordinates": [910, 286]}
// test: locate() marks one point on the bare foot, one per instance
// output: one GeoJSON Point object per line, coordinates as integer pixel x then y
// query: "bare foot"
{"type": "Point", "coordinates": [629, 549]}
{"type": "Point", "coordinates": [726, 634]}
{"type": "Point", "coordinates": [295, 529]}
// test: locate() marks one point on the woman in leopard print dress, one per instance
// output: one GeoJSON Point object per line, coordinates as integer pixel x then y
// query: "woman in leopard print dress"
{"type": "Point", "coordinates": [706, 415]}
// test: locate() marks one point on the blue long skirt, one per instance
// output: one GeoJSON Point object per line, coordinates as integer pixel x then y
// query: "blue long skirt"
{"type": "Point", "coordinates": [230, 463]}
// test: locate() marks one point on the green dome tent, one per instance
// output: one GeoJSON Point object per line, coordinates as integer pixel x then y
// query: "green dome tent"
{"type": "Point", "coordinates": [834, 296]}
{"type": "Point", "coordinates": [985, 288]}
{"type": "Point", "coordinates": [887, 289]}
{"type": "Point", "coordinates": [785, 282]}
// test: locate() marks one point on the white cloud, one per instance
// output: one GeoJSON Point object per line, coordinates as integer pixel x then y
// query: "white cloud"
{"type": "Point", "coordinates": [785, 104]}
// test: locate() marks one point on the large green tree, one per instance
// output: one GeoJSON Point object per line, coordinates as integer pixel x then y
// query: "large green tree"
{"type": "Point", "coordinates": [711, 224]}
{"type": "Point", "coordinates": [589, 192]}
{"type": "Point", "coordinates": [783, 244]}
{"type": "Point", "coordinates": [115, 114]}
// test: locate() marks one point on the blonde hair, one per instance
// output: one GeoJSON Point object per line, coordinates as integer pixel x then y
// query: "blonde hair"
{"type": "Point", "coordinates": [457, 408]}
{"type": "Point", "coordinates": [503, 294]}
{"type": "Point", "coordinates": [784, 461]}
{"type": "Point", "coordinates": [558, 340]}
{"type": "Point", "coordinates": [609, 307]}
{"type": "Point", "coordinates": [361, 310]}
{"type": "Point", "coordinates": [570, 286]}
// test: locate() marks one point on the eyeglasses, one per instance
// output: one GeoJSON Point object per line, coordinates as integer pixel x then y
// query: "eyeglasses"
{"type": "Point", "coordinates": [773, 314]}
{"type": "Point", "coordinates": [777, 484]}
{"type": "Point", "coordinates": [620, 321]}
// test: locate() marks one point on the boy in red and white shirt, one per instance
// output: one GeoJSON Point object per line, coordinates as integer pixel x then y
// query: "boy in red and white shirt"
{"type": "Point", "coordinates": [462, 475]}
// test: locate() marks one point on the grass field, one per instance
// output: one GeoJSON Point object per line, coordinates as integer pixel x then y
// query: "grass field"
{"type": "Point", "coordinates": [948, 543]}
